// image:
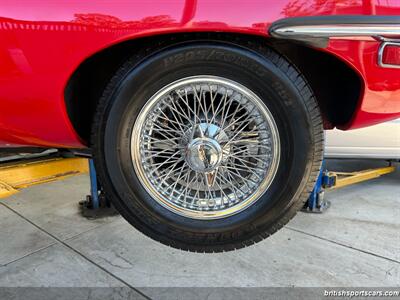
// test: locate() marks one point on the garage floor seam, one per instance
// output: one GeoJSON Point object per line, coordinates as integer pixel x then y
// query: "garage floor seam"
{"type": "Point", "coordinates": [343, 245]}
{"type": "Point", "coordinates": [76, 251]}
{"type": "Point", "coordinates": [28, 254]}
{"type": "Point", "coordinates": [89, 230]}
{"type": "Point", "coordinates": [52, 244]}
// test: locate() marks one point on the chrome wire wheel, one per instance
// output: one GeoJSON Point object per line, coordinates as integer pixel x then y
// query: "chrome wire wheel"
{"type": "Point", "coordinates": [205, 147]}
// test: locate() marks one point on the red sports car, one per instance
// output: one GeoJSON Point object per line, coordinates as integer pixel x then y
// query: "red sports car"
{"type": "Point", "coordinates": [205, 118]}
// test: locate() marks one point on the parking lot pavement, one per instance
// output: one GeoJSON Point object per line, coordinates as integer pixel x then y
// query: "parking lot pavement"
{"type": "Point", "coordinates": [355, 243]}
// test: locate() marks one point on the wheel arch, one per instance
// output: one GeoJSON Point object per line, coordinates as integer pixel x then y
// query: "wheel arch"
{"type": "Point", "coordinates": [86, 85]}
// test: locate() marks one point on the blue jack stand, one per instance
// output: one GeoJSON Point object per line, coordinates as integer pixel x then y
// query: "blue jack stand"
{"type": "Point", "coordinates": [94, 186]}
{"type": "Point", "coordinates": [96, 204]}
{"type": "Point", "coordinates": [316, 203]}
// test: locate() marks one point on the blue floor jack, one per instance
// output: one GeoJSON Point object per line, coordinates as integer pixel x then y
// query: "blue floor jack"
{"type": "Point", "coordinates": [328, 180]}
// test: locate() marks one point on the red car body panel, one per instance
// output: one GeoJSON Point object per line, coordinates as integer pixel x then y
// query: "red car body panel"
{"type": "Point", "coordinates": [42, 42]}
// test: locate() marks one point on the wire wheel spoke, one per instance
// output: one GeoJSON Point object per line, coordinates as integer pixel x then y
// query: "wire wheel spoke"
{"type": "Point", "coordinates": [205, 147]}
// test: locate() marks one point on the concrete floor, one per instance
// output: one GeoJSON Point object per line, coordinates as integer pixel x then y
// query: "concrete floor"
{"type": "Point", "coordinates": [46, 242]}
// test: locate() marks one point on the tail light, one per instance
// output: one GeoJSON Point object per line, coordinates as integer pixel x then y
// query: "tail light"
{"type": "Point", "coordinates": [389, 55]}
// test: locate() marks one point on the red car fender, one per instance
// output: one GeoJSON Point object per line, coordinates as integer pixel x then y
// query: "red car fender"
{"type": "Point", "coordinates": [42, 43]}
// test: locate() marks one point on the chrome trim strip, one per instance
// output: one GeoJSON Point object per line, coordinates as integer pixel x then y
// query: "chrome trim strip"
{"type": "Point", "coordinates": [337, 30]}
{"type": "Point", "coordinates": [380, 55]}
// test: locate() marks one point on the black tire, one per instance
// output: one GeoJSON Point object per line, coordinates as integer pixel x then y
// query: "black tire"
{"type": "Point", "coordinates": [285, 92]}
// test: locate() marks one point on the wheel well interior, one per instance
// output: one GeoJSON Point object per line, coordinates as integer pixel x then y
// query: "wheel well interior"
{"type": "Point", "coordinates": [337, 87]}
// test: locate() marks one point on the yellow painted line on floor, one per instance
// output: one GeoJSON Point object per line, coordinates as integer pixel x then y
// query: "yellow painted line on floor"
{"type": "Point", "coordinates": [6, 190]}
{"type": "Point", "coordinates": [22, 175]}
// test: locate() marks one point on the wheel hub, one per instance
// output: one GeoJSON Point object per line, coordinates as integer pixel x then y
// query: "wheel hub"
{"type": "Point", "coordinates": [203, 154]}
